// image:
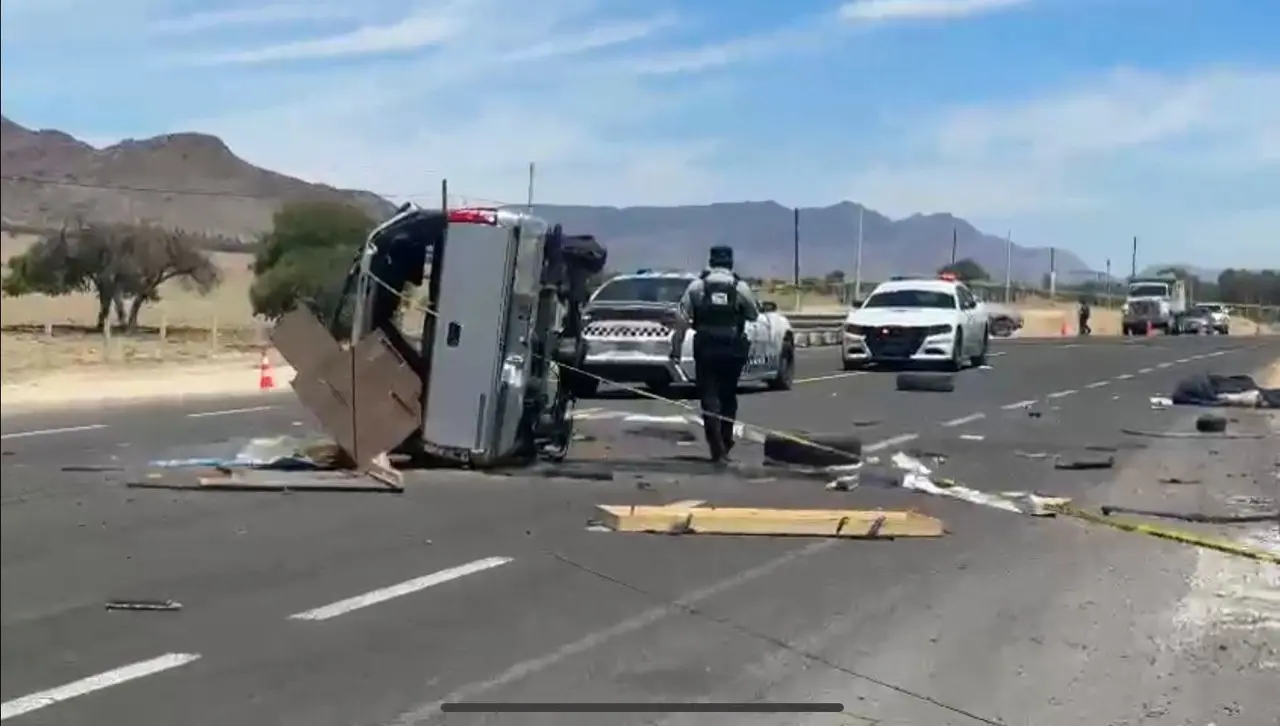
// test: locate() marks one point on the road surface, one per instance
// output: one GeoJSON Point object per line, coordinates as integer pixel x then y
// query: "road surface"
{"type": "Point", "coordinates": [373, 610]}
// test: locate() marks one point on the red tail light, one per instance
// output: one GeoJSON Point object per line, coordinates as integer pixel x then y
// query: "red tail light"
{"type": "Point", "coordinates": [473, 216]}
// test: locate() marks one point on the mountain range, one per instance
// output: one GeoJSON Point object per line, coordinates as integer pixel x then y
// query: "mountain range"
{"type": "Point", "coordinates": [194, 181]}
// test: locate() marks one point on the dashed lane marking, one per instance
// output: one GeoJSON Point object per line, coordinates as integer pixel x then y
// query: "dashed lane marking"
{"type": "Point", "coordinates": [1019, 404]}
{"type": "Point", "coordinates": [890, 442]}
{"type": "Point", "coordinates": [381, 595]}
{"type": "Point", "coordinates": [964, 420]}
{"type": "Point", "coordinates": [229, 412]}
{"type": "Point", "coordinates": [1098, 384]}
{"type": "Point", "coordinates": [1062, 394]}
{"type": "Point", "coordinates": [124, 674]}
{"type": "Point", "coordinates": [50, 432]}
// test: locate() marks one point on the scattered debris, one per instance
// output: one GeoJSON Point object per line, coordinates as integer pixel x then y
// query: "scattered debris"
{"type": "Point", "coordinates": [161, 605]}
{"type": "Point", "coordinates": [1189, 435]}
{"type": "Point", "coordinates": [1159, 403]}
{"type": "Point", "coordinates": [917, 478]}
{"type": "Point", "coordinates": [663, 433]}
{"type": "Point", "coordinates": [1083, 463]}
{"type": "Point", "coordinates": [1195, 517]}
{"type": "Point", "coordinates": [850, 523]}
{"type": "Point", "coordinates": [1036, 455]}
{"type": "Point", "coordinates": [91, 468]}
{"type": "Point", "coordinates": [1177, 480]}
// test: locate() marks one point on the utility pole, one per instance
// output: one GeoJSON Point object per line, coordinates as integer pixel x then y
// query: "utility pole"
{"type": "Point", "coordinates": [857, 260]}
{"type": "Point", "coordinates": [1008, 267]}
{"type": "Point", "coordinates": [795, 254]}
{"type": "Point", "coordinates": [1108, 282]}
{"type": "Point", "coordinates": [954, 245]}
{"type": "Point", "coordinates": [1133, 267]}
{"type": "Point", "coordinates": [530, 197]}
{"type": "Point", "coordinates": [1053, 273]}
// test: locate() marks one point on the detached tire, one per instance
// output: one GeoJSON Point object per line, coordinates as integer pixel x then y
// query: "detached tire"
{"type": "Point", "coordinates": [837, 449]}
{"type": "Point", "coordinates": [1211, 424]}
{"type": "Point", "coordinates": [927, 382]}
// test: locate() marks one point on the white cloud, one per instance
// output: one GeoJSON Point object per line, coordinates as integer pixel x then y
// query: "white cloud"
{"type": "Point", "coordinates": [416, 31]}
{"type": "Point", "coordinates": [251, 15]}
{"type": "Point", "coordinates": [896, 10]}
{"type": "Point", "coordinates": [1077, 146]}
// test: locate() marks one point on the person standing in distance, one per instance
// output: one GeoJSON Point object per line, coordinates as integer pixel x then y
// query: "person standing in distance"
{"type": "Point", "coordinates": [718, 305]}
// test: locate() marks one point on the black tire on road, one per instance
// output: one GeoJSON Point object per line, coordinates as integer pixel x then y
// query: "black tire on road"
{"type": "Point", "coordinates": [956, 364]}
{"type": "Point", "coordinates": [1211, 423]}
{"type": "Point", "coordinates": [928, 382]}
{"type": "Point", "coordinates": [831, 449]}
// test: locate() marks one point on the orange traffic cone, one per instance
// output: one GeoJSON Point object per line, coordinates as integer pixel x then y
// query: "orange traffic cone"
{"type": "Point", "coordinates": [1064, 330]}
{"type": "Point", "coordinates": [266, 381]}
{"type": "Point", "coordinates": [1151, 329]}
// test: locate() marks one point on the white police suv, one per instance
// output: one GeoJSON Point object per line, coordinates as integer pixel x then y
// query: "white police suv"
{"type": "Point", "coordinates": [917, 320]}
{"type": "Point", "coordinates": [629, 330]}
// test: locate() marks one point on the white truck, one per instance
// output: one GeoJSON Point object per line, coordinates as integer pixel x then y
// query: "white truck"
{"type": "Point", "coordinates": [1153, 302]}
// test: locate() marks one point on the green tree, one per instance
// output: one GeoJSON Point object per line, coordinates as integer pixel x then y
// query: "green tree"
{"type": "Point", "coordinates": [305, 257]}
{"type": "Point", "coordinates": [123, 265]}
{"type": "Point", "coordinates": [965, 270]}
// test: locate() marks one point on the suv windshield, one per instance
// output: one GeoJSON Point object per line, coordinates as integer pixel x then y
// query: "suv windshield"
{"type": "Point", "coordinates": [911, 299]}
{"type": "Point", "coordinates": [1153, 290]}
{"type": "Point", "coordinates": [643, 289]}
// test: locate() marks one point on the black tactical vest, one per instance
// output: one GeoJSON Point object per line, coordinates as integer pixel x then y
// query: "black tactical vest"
{"type": "Point", "coordinates": [715, 314]}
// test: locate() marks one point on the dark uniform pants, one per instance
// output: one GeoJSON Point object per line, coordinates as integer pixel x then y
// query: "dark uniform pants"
{"type": "Point", "coordinates": [718, 368]}
{"type": "Point", "coordinates": [1084, 325]}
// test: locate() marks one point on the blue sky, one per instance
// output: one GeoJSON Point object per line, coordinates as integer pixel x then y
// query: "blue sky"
{"type": "Point", "coordinates": [1075, 123]}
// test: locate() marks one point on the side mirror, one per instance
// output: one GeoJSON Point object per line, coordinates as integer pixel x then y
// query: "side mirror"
{"type": "Point", "coordinates": [768, 306]}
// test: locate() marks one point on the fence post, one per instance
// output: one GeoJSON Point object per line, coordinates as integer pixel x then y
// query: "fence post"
{"type": "Point", "coordinates": [106, 340]}
{"type": "Point", "coordinates": [213, 336]}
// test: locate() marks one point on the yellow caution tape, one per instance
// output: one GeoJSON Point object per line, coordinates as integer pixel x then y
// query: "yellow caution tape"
{"type": "Point", "coordinates": [1218, 544]}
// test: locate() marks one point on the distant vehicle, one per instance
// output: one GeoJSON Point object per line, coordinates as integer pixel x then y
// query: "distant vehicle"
{"type": "Point", "coordinates": [1153, 302]}
{"type": "Point", "coordinates": [921, 320]}
{"type": "Point", "coordinates": [1196, 321]}
{"type": "Point", "coordinates": [629, 329]}
{"type": "Point", "coordinates": [1219, 314]}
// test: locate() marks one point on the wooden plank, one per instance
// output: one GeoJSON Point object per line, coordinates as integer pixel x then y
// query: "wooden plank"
{"type": "Point", "coordinates": [773, 522]}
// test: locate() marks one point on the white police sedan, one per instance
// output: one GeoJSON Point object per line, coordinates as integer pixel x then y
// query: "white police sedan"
{"type": "Point", "coordinates": [629, 326]}
{"type": "Point", "coordinates": [917, 321]}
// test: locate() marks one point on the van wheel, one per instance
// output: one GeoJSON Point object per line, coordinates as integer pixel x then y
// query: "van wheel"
{"type": "Point", "coordinates": [956, 363]}
{"type": "Point", "coordinates": [980, 359]}
{"type": "Point", "coordinates": [786, 369]}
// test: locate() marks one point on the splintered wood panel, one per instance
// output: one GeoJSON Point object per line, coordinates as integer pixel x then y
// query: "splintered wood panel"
{"type": "Point", "coordinates": [303, 341]}
{"type": "Point", "coordinates": [775, 522]}
{"type": "Point", "coordinates": [368, 399]}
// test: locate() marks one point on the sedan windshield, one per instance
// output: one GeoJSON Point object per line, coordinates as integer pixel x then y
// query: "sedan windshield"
{"type": "Point", "coordinates": [643, 289]}
{"type": "Point", "coordinates": [912, 299]}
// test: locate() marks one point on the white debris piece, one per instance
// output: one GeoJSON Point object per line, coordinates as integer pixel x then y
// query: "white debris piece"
{"type": "Point", "coordinates": [917, 478]}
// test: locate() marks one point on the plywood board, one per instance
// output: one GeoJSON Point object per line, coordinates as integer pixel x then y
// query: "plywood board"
{"type": "Point", "coordinates": [772, 522]}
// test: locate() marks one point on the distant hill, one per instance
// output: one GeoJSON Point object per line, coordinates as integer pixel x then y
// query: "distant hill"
{"type": "Point", "coordinates": [229, 196]}
{"type": "Point", "coordinates": [235, 198]}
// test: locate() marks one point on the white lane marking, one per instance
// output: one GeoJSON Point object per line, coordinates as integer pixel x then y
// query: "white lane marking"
{"type": "Point", "coordinates": [832, 377]}
{"type": "Point", "coordinates": [229, 412]}
{"type": "Point", "coordinates": [973, 437]}
{"type": "Point", "coordinates": [430, 710]}
{"type": "Point", "coordinates": [1183, 360]}
{"type": "Point", "coordinates": [342, 607]}
{"type": "Point", "coordinates": [1145, 370]}
{"type": "Point", "coordinates": [1216, 353]}
{"type": "Point", "coordinates": [1019, 404]}
{"type": "Point", "coordinates": [1098, 384]}
{"type": "Point", "coordinates": [124, 674]}
{"type": "Point", "coordinates": [1062, 394]}
{"type": "Point", "coordinates": [1163, 365]}
{"type": "Point", "coordinates": [894, 441]}
{"type": "Point", "coordinates": [50, 432]}
{"type": "Point", "coordinates": [1124, 376]}
{"type": "Point", "coordinates": [964, 420]}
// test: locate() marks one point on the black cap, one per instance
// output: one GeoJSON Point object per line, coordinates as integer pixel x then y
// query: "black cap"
{"type": "Point", "coordinates": [721, 256]}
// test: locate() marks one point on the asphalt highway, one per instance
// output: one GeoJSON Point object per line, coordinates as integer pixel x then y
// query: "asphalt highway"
{"type": "Point", "coordinates": [314, 609]}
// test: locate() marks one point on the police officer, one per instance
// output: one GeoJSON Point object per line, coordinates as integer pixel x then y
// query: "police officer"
{"type": "Point", "coordinates": [1083, 315]}
{"type": "Point", "coordinates": [718, 305]}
